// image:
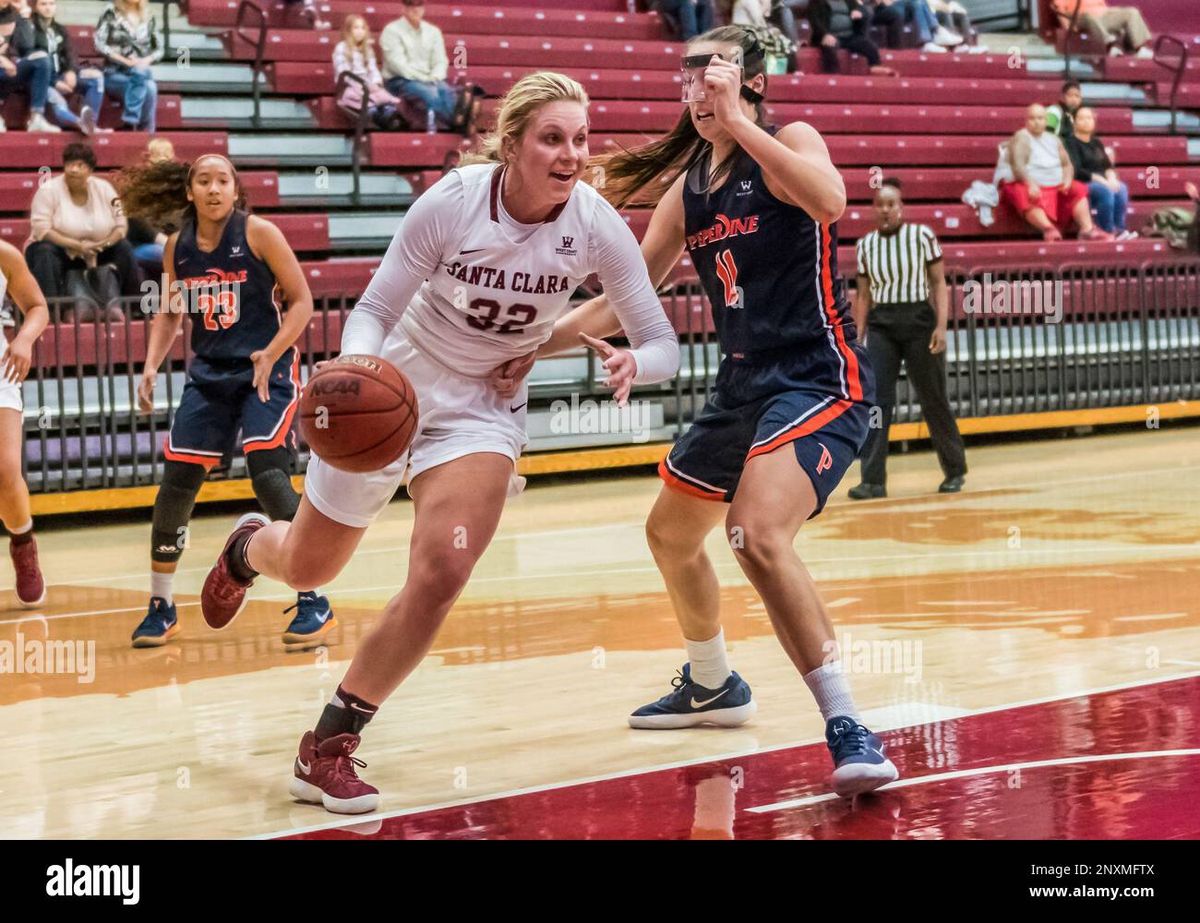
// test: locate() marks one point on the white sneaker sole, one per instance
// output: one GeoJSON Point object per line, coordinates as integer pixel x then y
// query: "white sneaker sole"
{"type": "Point", "coordinates": [722, 717]}
{"type": "Point", "coordinates": [858, 778]}
{"type": "Point", "coordinates": [309, 793]}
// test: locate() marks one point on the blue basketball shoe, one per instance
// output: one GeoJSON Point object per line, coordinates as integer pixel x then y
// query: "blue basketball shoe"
{"type": "Point", "coordinates": [690, 704]}
{"type": "Point", "coordinates": [858, 758]}
{"type": "Point", "coordinates": [159, 626]}
{"type": "Point", "coordinates": [312, 622]}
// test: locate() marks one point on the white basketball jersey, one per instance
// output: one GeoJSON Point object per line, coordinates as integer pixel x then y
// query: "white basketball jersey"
{"type": "Point", "coordinates": [498, 289]}
{"type": "Point", "coordinates": [3, 338]}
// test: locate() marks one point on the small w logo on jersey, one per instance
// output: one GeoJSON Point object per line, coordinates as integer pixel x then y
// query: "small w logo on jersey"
{"type": "Point", "coordinates": [236, 250]}
{"type": "Point", "coordinates": [747, 185]}
{"type": "Point", "coordinates": [568, 243]}
{"type": "Point", "coordinates": [567, 248]}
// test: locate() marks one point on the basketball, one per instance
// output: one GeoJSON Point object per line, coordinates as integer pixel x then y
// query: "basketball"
{"type": "Point", "coordinates": [358, 413]}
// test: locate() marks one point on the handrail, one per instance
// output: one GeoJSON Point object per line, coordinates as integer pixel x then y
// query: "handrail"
{"type": "Point", "coordinates": [259, 42]}
{"type": "Point", "coordinates": [345, 78]}
{"type": "Point", "coordinates": [1071, 33]}
{"type": "Point", "coordinates": [1179, 72]}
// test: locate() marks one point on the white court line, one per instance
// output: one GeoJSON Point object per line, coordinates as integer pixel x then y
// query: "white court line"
{"type": "Point", "coordinates": [978, 771]}
{"type": "Point", "coordinates": [349, 820]}
{"type": "Point", "coordinates": [638, 523]}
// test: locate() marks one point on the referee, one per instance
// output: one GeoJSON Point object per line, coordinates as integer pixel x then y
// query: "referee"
{"type": "Point", "coordinates": [898, 265]}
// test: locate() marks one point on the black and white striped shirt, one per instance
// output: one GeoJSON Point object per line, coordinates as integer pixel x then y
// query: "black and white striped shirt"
{"type": "Point", "coordinates": [118, 34]}
{"type": "Point", "coordinates": [895, 264]}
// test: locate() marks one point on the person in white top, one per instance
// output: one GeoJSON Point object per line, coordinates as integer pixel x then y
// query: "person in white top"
{"type": "Point", "coordinates": [480, 270]}
{"type": "Point", "coordinates": [415, 63]}
{"type": "Point", "coordinates": [15, 359]}
{"type": "Point", "coordinates": [1036, 178]}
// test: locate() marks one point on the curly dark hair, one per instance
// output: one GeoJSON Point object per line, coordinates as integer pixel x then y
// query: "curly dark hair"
{"type": "Point", "coordinates": [156, 190]}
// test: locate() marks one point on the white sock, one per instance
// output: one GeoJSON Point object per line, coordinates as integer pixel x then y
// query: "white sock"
{"type": "Point", "coordinates": [162, 585]}
{"type": "Point", "coordinates": [21, 531]}
{"type": "Point", "coordinates": [831, 689]}
{"type": "Point", "coordinates": [709, 667]}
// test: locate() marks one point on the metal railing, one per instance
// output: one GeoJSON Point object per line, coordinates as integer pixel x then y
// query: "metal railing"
{"type": "Point", "coordinates": [1100, 336]}
{"type": "Point", "coordinates": [1176, 67]}
{"type": "Point", "coordinates": [257, 38]}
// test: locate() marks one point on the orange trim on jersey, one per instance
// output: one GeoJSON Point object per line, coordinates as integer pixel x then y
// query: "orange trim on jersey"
{"type": "Point", "coordinates": [207, 461]}
{"type": "Point", "coordinates": [285, 427]}
{"type": "Point", "coordinates": [804, 428]}
{"type": "Point", "coordinates": [854, 379]}
{"type": "Point", "coordinates": [676, 483]}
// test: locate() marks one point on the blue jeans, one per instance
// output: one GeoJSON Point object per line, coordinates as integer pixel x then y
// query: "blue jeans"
{"type": "Point", "coordinates": [34, 75]}
{"type": "Point", "coordinates": [90, 88]}
{"type": "Point", "coordinates": [695, 16]}
{"type": "Point", "coordinates": [439, 96]}
{"type": "Point", "coordinates": [915, 11]}
{"type": "Point", "coordinates": [1108, 207]}
{"type": "Point", "coordinates": [139, 93]}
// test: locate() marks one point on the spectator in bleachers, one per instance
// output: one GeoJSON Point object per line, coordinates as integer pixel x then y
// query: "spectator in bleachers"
{"type": "Point", "coordinates": [127, 36]}
{"type": "Point", "coordinates": [900, 270]}
{"type": "Point", "coordinates": [23, 66]}
{"type": "Point", "coordinates": [1109, 197]}
{"type": "Point", "coordinates": [66, 76]}
{"type": "Point", "coordinates": [76, 224]}
{"type": "Point", "coordinates": [147, 240]}
{"type": "Point", "coordinates": [693, 16]}
{"type": "Point", "coordinates": [1121, 28]}
{"type": "Point", "coordinates": [301, 13]}
{"type": "Point", "coordinates": [415, 66]}
{"type": "Point", "coordinates": [853, 37]}
{"type": "Point", "coordinates": [754, 13]}
{"type": "Point", "coordinates": [957, 21]}
{"type": "Point", "coordinates": [356, 53]}
{"type": "Point", "coordinates": [1036, 178]}
{"type": "Point", "coordinates": [933, 36]}
{"type": "Point", "coordinates": [1060, 116]}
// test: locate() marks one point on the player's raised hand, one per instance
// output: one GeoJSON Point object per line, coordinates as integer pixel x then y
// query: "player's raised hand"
{"type": "Point", "coordinates": [263, 364]}
{"type": "Point", "coordinates": [723, 84]}
{"type": "Point", "coordinates": [506, 378]}
{"type": "Point", "coordinates": [145, 392]}
{"type": "Point", "coordinates": [620, 365]}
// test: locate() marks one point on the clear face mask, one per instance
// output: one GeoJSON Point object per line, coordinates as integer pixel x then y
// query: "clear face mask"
{"type": "Point", "coordinates": [693, 67]}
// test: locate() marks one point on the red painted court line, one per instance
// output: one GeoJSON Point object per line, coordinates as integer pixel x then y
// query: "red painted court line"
{"type": "Point", "coordinates": [1127, 798]}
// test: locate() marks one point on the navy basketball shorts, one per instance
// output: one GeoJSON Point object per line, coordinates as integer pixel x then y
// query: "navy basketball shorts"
{"type": "Point", "coordinates": [219, 399]}
{"type": "Point", "coordinates": [759, 408]}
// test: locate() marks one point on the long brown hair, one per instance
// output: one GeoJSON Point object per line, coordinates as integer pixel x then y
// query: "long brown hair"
{"type": "Point", "coordinates": [646, 172]}
{"type": "Point", "coordinates": [156, 190]}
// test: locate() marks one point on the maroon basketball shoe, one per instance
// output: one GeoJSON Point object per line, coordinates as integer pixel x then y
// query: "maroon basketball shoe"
{"type": "Point", "coordinates": [325, 774]}
{"type": "Point", "coordinates": [224, 596]}
{"type": "Point", "coordinates": [31, 588]}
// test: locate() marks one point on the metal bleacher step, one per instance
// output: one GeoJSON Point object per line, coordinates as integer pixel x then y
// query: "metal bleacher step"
{"type": "Point", "coordinates": [1143, 119]}
{"type": "Point", "coordinates": [320, 187]}
{"type": "Point", "coordinates": [363, 230]}
{"type": "Point", "coordinates": [237, 112]}
{"type": "Point", "coordinates": [311, 149]}
{"type": "Point", "coordinates": [206, 77]}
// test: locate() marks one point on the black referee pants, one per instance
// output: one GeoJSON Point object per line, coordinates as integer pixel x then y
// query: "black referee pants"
{"type": "Point", "coordinates": [900, 333]}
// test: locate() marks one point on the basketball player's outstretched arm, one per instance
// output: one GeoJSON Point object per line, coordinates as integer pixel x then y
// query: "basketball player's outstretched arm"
{"type": "Point", "coordinates": [414, 254]}
{"type": "Point", "coordinates": [164, 326]}
{"type": "Point", "coordinates": [24, 291]}
{"type": "Point", "coordinates": [662, 246]}
{"type": "Point", "coordinates": [268, 243]}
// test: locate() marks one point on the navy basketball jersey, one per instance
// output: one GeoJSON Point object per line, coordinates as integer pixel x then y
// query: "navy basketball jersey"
{"type": "Point", "coordinates": [770, 272]}
{"type": "Point", "coordinates": [230, 293]}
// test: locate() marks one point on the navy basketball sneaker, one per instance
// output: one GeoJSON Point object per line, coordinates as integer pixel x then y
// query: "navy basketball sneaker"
{"type": "Point", "coordinates": [858, 758]}
{"type": "Point", "coordinates": [159, 626]}
{"type": "Point", "coordinates": [689, 704]}
{"type": "Point", "coordinates": [312, 622]}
